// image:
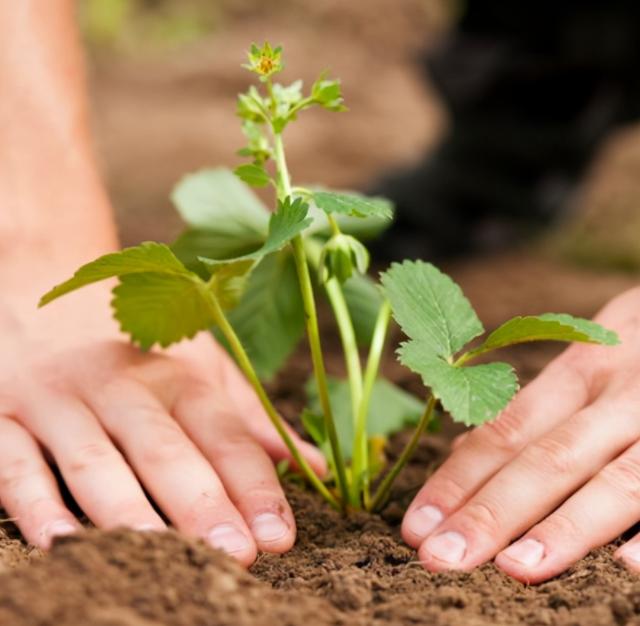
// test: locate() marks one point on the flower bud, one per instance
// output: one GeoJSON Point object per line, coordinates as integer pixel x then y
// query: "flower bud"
{"type": "Point", "coordinates": [341, 256]}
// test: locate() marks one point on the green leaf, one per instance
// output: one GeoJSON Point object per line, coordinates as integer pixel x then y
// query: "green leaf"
{"type": "Point", "coordinates": [252, 107]}
{"type": "Point", "coordinates": [215, 200]}
{"type": "Point", "coordinates": [472, 395]}
{"type": "Point", "coordinates": [228, 282]}
{"type": "Point", "coordinates": [269, 319]}
{"type": "Point", "coordinates": [364, 300]}
{"type": "Point", "coordinates": [430, 307]}
{"type": "Point", "coordinates": [546, 327]}
{"type": "Point", "coordinates": [353, 204]}
{"type": "Point", "coordinates": [363, 228]}
{"type": "Point", "coordinates": [195, 243]}
{"type": "Point", "coordinates": [252, 174]}
{"type": "Point", "coordinates": [161, 308]}
{"type": "Point", "coordinates": [390, 410]}
{"type": "Point", "coordinates": [288, 221]}
{"type": "Point", "coordinates": [257, 147]}
{"type": "Point", "coordinates": [158, 299]}
{"type": "Point", "coordinates": [328, 93]}
{"type": "Point", "coordinates": [147, 257]}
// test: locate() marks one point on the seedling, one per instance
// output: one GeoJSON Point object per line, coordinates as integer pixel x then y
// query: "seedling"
{"type": "Point", "coordinates": [253, 277]}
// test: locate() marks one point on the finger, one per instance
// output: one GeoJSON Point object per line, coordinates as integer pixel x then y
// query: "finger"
{"type": "Point", "coordinates": [459, 440]}
{"type": "Point", "coordinates": [270, 441]}
{"type": "Point", "coordinates": [604, 508]}
{"type": "Point", "coordinates": [174, 471]}
{"type": "Point", "coordinates": [244, 467]}
{"type": "Point", "coordinates": [28, 489]}
{"type": "Point", "coordinates": [246, 404]}
{"type": "Point", "coordinates": [557, 393]}
{"type": "Point", "coordinates": [95, 472]}
{"type": "Point", "coordinates": [530, 487]}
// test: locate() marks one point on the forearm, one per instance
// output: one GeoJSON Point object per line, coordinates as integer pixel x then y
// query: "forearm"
{"type": "Point", "coordinates": [53, 209]}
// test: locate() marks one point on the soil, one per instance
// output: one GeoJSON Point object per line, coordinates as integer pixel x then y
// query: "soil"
{"type": "Point", "coordinates": [353, 571]}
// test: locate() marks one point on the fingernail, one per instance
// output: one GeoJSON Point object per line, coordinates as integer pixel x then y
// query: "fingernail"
{"type": "Point", "coordinates": [228, 538]}
{"type": "Point", "coordinates": [449, 547]}
{"type": "Point", "coordinates": [59, 529]}
{"type": "Point", "coordinates": [630, 552]}
{"type": "Point", "coordinates": [423, 520]}
{"type": "Point", "coordinates": [146, 528]}
{"type": "Point", "coordinates": [269, 527]}
{"type": "Point", "coordinates": [528, 552]}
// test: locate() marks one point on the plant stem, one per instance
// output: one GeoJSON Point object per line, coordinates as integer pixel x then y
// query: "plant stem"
{"type": "Point", "coordinates": [275, 417]}
{"type": "Point", "coordinates": [349, 344]}
{"type": "Point", "coordinates": [385, 486]}
{"type": "Point", "coordinates": [360, 464]}
{"type": "Point", "coordinates": [335, 295]}
{"type": "Point", "coordinates": [313, 331]}
{"type": "Point", "coordinates": [335, 229]}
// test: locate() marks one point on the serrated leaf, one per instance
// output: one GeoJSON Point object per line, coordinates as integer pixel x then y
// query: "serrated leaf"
{"type": "Point", "coordinates": [288, 221]}
{"type": "Point", "coordinates": [353, 204]}
{"type": "Point", "coordinates": [430, 307]}
{"type": "Point", "coordinates": [472, 395]}
{"type": "Point", "coordinates": [363, 228]}
{"type": "Point", "coordinates": [269, 318]}
{"type": "Point", "coordinates": [546, 327]}
{"type": "Point", "coordinates": [195, 243]}
{"type": "Point", "coordinates": [390, 410]}
{"type": "Point", "coordinates": [158, 299]}
{"type": "Point", "coordinates": [228, 282]}
{"type": "Point", "coordinates": [364, 299]}
{"type": "Point", "coordinates": [161, 308]}
{"type": "Point", "coordinates": [253, 175]}
{"type": "Point", "coordinates": [214, 200]}
{"type": "Point", "coordinates": [147, 257]}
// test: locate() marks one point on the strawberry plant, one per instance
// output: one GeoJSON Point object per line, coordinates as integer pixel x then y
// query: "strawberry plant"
{"type": "Point", "coordinates": [253, 277]}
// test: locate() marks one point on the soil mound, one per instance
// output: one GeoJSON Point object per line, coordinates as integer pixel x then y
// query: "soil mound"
{"type": "Point", "coordinates": [123, 578]}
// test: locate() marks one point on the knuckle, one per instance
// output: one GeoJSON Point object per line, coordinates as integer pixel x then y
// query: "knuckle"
{"type": "Point", "coordinates": [89, 454]}
{"type": "Point", "coordinates": [239, 444]}
{"type": "Point", "coordinates": [551, 456]}
{"type": "Point", "coordinates": [446, 491]}
{"type": "Point", "coordinates": [623, 475]}
{"type": "Point", "coordinates": [14, 473]}
{"type": "Point", "coordinates": [483, 517]}
{"type": "Point", "coordinates": [506, 432]}
{"type": "Point", "coordinates": [166, 444]}
{"type": "Point", "coordinates": [561, 527]}
{"type": "Point", "coordinates": [211, 504]}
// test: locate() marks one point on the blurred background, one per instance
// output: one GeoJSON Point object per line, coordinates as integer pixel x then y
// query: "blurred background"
{"type": "Point", "coordinates": [468, 113]}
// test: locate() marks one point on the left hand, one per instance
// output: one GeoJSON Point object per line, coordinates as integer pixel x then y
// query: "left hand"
{"type": "Point", "coordinates": [558, 471]}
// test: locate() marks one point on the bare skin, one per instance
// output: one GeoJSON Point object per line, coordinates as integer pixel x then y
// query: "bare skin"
{"type": "Point", "coordinates": [558, 471]}
{"type": "Point", "coordinates": [183, 425]}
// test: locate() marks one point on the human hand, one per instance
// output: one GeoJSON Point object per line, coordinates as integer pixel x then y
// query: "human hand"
{"type": "Point", "coordinates": [183, 426]}
{"type": "Point", "coordinates": [559, 468]}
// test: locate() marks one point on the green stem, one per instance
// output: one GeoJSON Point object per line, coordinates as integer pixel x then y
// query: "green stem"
{"type": "Point", "coordinates": [360, 464]}
{"type": "Point", "coordinates": [385, 486]}
{"type": "Point", "coordinates": [349, 343]}
{"type": "Point", "coordinates": [313, 331]}
{"type": "Point", "coordinates": [276, 419]}
{"type": "Point", "coordinates": [335, 229]}
{"type": "Point", "coordinates": [335, 295]}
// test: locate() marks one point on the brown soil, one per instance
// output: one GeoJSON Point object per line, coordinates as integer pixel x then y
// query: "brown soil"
{"type": "Point", "coordinates": [352, 571]}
